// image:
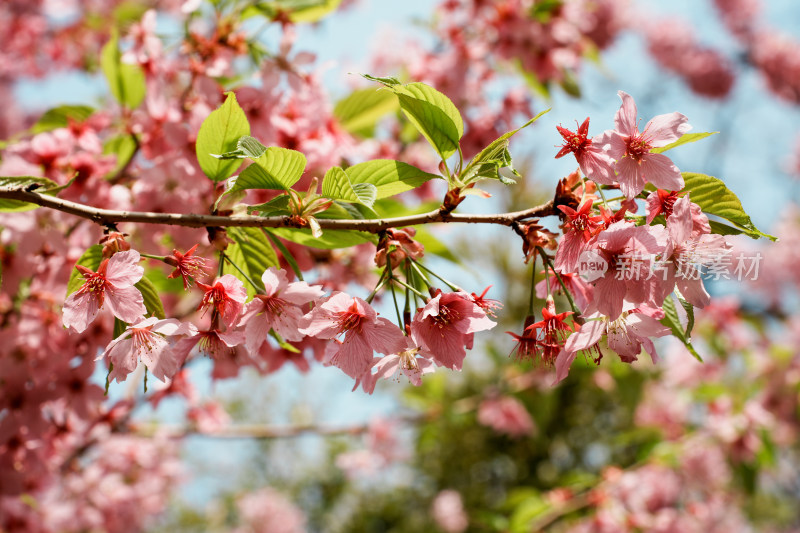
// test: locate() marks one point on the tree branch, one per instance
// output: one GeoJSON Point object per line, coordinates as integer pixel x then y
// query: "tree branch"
{"type": "Point", "coordinates": [106, 216]}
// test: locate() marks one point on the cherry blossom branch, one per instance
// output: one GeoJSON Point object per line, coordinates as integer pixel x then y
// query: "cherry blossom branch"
{"type": "Point", "coordinates": [108, 216]}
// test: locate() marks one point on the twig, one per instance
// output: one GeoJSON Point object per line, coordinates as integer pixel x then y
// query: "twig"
{"type": "Point", "coordinates": [105, 216]}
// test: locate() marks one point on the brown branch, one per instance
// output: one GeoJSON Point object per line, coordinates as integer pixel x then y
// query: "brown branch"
{"type": "Point", "coordinates": [106, 216]}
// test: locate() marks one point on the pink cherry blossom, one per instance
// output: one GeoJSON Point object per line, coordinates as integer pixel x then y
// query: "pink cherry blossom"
{"type": "Point", "coordinates": [445, 326]}
{"type": "Point", "coordinates": [226, 296]}
{"type": "Point", "coordinates": [590, 153]}
{"type": "Point", "coordinates": [407, 360]}
{"type": "Point", "coordinates": [636, 165]}
{"type": "Point", "coordinates": [448, 512]}
{"type": "Point", "coordinates": [689, 253]}
{"type": "Point", "coordinates": [626, 336]}
{"type": "Point", "coordinates": [112, 284]}
{"type": "Point", "coordinates": [364, 332]}
{"type": "Point", "coordinates": [147, 341]}
{"type": "Point", "coordinates": [279, 308]}
{"type": "Point", "coordinates": [629, 252]}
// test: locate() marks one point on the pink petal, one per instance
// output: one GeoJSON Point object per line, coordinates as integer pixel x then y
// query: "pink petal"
{"type": "Point", "coordinates": [300, 293]}
{"type": "Point", "coordinates": [255, 332]}
{"type": "Point", "coordinates": [126, 303]}
{"type": "Point", "coordinates": [693, 291]}
{"type": "Point", "coordinates": [123, 269]}
{"type": "Point", "coordinates": [626, 118]}
{"type": "Point", "coordinates": [666, 129]}
{"type": "Point", "coordinates": [631, 176]}
{"type": "Point", "coordinates": [274, 280]}
{"type": "Point", "coordinates": [609, 294]}
{"type": "Point", "coordinates": [659, 170]}
{"type": "Point", "coordinates": [679, 223]}
{"type": "Point", "coordinates": [80, 310]}
{"type": "Point", "coordinates": [384, 337]}
{"type": "Point", "coordinates": [354, 355]}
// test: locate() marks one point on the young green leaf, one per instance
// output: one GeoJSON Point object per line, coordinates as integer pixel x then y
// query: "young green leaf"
{"type": "Point", "coordinates": [59, 117]}
{"type": "Point", "coordinates": [487, 164]}
{"type": "Point", "coordinates": [433, 114]}
{"type": "Point", "coordinates": [715, 198]}
{"type": "Point", "coordinates": [330, 239]}
{"type": "Point", "coordinates": [126, 81]}
{"type": "Point", "coordinates": [672, 321]}
{"type": "Point", "coordinates": [152, 301]}
{"type": "Point", "coordinates": [389, 177]}
{"type": "Point", "coordinates": [277, 168]}
{"type": "Point", "coordinates": [686, 138]}
{"type": "Point", "coordinates": [252, 252]}
{"type": "Point", "coordinates": [220, 133]}
{"type": "Point", "coordinates": [29, 183]}
{"type": "Point", "coordinates": [359, 112]}
{"type": "Point", "coordinates": [337, 185]}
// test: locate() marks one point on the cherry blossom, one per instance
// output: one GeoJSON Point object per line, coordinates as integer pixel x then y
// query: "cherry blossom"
{"type": "Point", "coordinates": [147, 341]}
{"type": "Point", "coordinates": [188, 266]}
{"type": "Point", "coordinates": [364, 332]}
{"type": "Point", "coordinates": [445, 326]}
{"type": "Point", "coordinates": [626, 336]}
{"type": "Point", "coordinates": [112, 284]}
{"type": "Point", "coordinates": [636, 165]}
{"type": "Point", "coordinates": [280, 308]}
{"type": "Point", "coordinates": [590, 153]}
{"type": "Point", "coordinates": [226, 296]}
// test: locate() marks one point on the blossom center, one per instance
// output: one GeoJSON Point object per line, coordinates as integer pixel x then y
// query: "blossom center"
{"type": "Point", "coordinates": [143, 340]}
{"type": "Point", "coordinates": [637, 146]}
{"type": "Point", "coordinates": [351, 319]}
{"type": "Point", "coordinates": [96, 283]}
{"type": "Point", "coordinates": [272, 304]}
{"type": "Point", "coordinates": [446, 316]}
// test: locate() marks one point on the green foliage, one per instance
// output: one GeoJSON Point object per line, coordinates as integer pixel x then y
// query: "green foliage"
{"type": "Point", "coordinates": [714, 198]}
{"type": "Point", "coordinates": [277, 168]}
{"type": "Point", "coordinates": [360, 111]}
{"type": "Point", "coordinates": [488, 163]}
{"type": "Point", "coordinates": [59, 117]}
{"type": "Point", "coordinates": [388, 176]}
{"type": "Point", "coordinates": [29, 183]}
{"type": "Point", "coordinates": [433, 114]}
{"type": "Point", "coordinates": [127, 82]}
{"type": "Point", "coordinates": [329, 240]}
{"type": "Point", "coordinates": [298, 11]}
{"type": "Point", "coordinates": [123, 147]}
{"type": "Point", "coordinates": [219, 134]}
{"type": "Point", "coordinates": [686, 138]}
{"type": "Point", "coordinates": [253, 253]}
{"type": "Point", "coordinates": [152, 301]}
{"type": "Point", "coordinates": [672, 321]}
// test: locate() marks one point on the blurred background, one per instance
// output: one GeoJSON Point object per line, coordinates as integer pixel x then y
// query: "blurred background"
{"type": "Point", "coordinates": [679, 446]}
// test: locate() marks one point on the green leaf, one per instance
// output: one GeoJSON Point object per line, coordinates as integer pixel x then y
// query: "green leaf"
{"type": "Point", "coordinates": [487, 164]}
{"type": "Point", "coordinates": [277, 168]}
{"type": "Point", "coordinates": [119, 329]}
{"type": "Point", "coordinates": [29, 183]}
{"type": "Point", "coordinates": [91, 259]}
{"type": "Point", "coordinates": [723, 229]}
{"type": "Point", "coordinates": [367, 193]}
{"type": "Point", "coordinates": [337, 185]}
{"type": "Point", "coordinates": [123, 147]}
{"type": "Point", "coordinates": [246, 148]}
{"type": "Point", "coordinates": [672, 321]}
{"type": "Point", "coordinates": [389, 177]}
{"type": "Point", "coordinates": [297, 10]}
{"type": "Point", "coordinates": [220, 133]}
{"type": "Point", "coordinates": [715, 198]}
{"type": "Point", "coordinates": [278, 206]}
{"type": "Point", "coordinates": [433, 114]}
{"type": "Point", "coordinates": [252, 252]}
{"type": "Point", "coordinates": [689, 308]}
{"type": "Point", "coordinates": [686, 138]}
{"type": "Point", "coordinates": [331, 239]}
{"type": "Point", "coordinates": [152, 301]}
{"type": "Point", "coordinates": [127, 82]}
{"type": "Point", "coordinates": [434, 246]}
{"type": "Point", "coordinates": [59, 117]}
{"type": "Point", "coordinates": [359, 112]}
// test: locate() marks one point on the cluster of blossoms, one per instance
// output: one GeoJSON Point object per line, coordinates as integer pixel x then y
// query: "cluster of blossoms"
{"type": "Point", "coordinates": [239, 330]}
{"type": "Point", "coordinates": [643, 262]}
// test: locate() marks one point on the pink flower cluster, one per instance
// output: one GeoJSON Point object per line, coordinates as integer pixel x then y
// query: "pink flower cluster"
{"type": "Point", "coordinates": [638, 266]}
